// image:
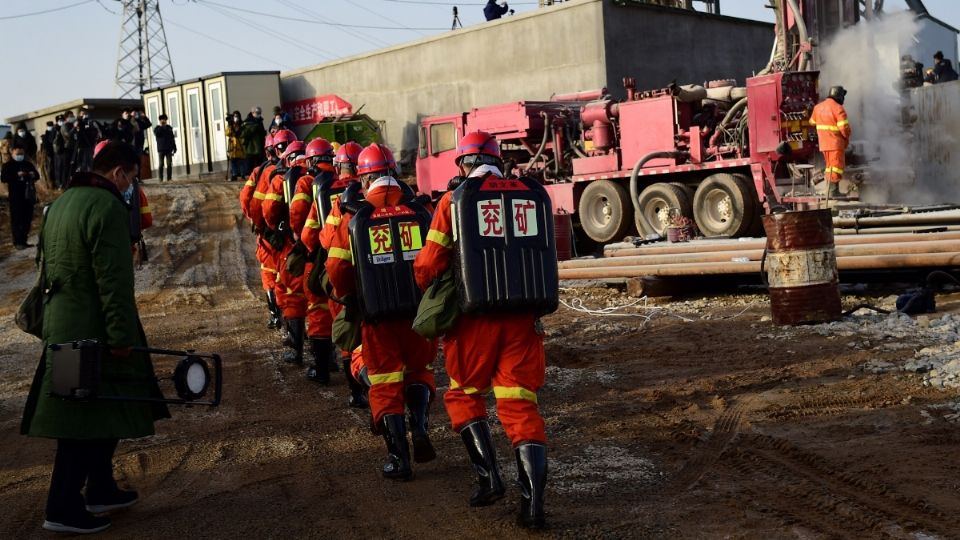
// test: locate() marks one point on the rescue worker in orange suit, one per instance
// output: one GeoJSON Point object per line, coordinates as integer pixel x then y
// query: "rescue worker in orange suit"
{"type": "Point", "coordinates": [498, 349]}
{"type": "Point", "coordinates": [397, 359]}
{"type": "Point", "coordinates": [250, 186]}
{"type": "Point", "coordinates": [266, 253]}
{"type": "Point", "coordinates": [319, 160]}
{"type": "Point", "coordinates": [833, 133]}
{"type": "Point", "coordinates": [317, 235]}
{"type": "Point", "coordinates": [276, 214]}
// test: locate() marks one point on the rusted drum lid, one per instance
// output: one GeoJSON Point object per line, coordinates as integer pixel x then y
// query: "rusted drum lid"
{"type": "Point", "coordinates": [798, 230]}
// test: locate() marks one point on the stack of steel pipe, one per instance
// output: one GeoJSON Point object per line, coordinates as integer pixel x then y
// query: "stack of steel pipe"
{"type": "Point", "coordinates": [713, 257]}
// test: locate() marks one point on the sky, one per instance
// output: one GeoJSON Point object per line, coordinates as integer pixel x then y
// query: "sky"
{"type": "Point", "coordinates": [71, 51]}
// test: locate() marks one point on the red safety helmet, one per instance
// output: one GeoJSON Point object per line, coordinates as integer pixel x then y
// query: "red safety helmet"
{"type": "Point", "coordinates": [376, 158]}
{"type": "Point", "coordinates": [100, 145]}
{"type": "Point", "coordinates": [321, 148]}
{"type": "Point", "coordinates": [295, 147]}
{"type": "Point", "coordinates": [268, 142]}
{"type": "Point", "coordinates": [348, 153]}
{"type": "Point", "coordinates": [478, 143]}
{"type": "Point", "coordinates": [282, 138]}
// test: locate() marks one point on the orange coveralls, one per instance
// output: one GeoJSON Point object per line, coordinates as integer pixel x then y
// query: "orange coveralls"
{"type": "Point", "coordinates": [394, 354]}
{"type": "Point", "coordinates": [289, 289]}
{"type": "Point", "coordinates": [500, 351]}
{"type": "Point", "coordinates": [146, 214]}
{"type": "Point", "coordinates": [833, 133]}
{"type": "Point", "coordinates": [249, 188]}
{"type": "Point", "coordinates": [303, 218]}
{"type": "Point", "coordinates": [327, 231]}
{"type": "Point", "coordinates": [265, 253]}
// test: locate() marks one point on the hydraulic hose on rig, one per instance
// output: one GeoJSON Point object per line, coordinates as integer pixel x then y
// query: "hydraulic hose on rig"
{"type": "Point", "coordinates": [543, 142]}
{"type": "Point", "coordinates": [635, 175]}
{"type": "Point", "coordinates": [802, 31]}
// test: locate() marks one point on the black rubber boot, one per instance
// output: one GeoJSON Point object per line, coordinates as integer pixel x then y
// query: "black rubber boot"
{"type": "Point", "coordinates": [296, 328]}
{"type": "Point", "coordinates": [397, 466]}
{"type": "Point", "coordinates": [532, 477]}
{"type": "Point", "coordinates": [418, 403]}
{"type": "Point", "coordinates": [358, 393]}
{"type": "Point", "coordinates": [320, 350]}
{"type": "Point", "coordinates": [476, 437]}
{"type": "Point", "coordinates": [274, 321]}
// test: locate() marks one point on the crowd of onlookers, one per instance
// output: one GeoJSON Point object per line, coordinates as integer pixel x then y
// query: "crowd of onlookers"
{"type": "Point", "coordinates": [245, 138]}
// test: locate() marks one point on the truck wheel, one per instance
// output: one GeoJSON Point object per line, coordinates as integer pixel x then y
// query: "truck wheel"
{"type": "Point", "coordinates": [605, 211]}
{"type": "Point", "coordinates": [755, 228]}
{"type": "Point", "coordinates": [724, 206]}
{"type": "Point", "coordinates": [656, 201]}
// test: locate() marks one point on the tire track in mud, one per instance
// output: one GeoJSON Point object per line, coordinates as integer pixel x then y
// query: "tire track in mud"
{"type": "Point", "coordinates": [834, 406]}
{"type": "Point", "coordinates": [823, 496]}
{"type": "Point", "coordinates": [725, 428]}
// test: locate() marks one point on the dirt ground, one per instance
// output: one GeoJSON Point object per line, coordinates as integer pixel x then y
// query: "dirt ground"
{"type": "Point", "coordinates": [689, 419]}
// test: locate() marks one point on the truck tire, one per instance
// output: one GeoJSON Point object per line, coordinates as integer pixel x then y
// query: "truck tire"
{"type": "Point", "coordinates": [655, 203]}
{"type": "Point", "coordinates": [605, 211]}
{"type": "Point", "coordinates": [755, 228]}
{"type": "Point", "coordinates": [724, 206]}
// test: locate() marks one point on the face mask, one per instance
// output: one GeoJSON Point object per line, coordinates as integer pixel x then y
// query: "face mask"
{"type": "Point", "coordinates": [49, 128]}
{"type": "Point", "coordinates": [19, 157]}
{"type": "Point", "coordinates": [126, 116]}
{"type": "Point", "coordinates": [71, 120]}
{"type": "Point", "coordinates": [278, 119]}
{"type": "Point", "coordinates": [59, 122]}
{"type": "Point", "coordinates": [21, 133]}
{"type": "Point", "coordinates": [128, 194]}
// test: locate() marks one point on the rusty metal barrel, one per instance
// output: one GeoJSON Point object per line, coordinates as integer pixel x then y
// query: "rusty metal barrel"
{"type": "Point", "coordinates": [801, 267]}
{"type": "Point", "coordinates": [563, 232]}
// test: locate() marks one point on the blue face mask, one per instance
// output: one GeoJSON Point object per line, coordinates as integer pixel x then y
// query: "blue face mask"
{"type": "Point", "coordinates": [128, 194]}
{"type": "Point", "coordinates": [19, 157]}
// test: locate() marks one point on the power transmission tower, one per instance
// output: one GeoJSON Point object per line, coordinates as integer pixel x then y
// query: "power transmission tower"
{"type": "Point", "coordinates": [143, 59]}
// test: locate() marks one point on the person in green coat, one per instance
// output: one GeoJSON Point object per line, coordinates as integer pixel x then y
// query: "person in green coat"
{"type": "Point", "coordinates": [85, 245]}
{"type": "Point", "coordinates": [252, 136]}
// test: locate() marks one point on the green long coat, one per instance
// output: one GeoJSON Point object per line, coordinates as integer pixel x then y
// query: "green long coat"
{"type": "Point", "coordinates": [86, 247]}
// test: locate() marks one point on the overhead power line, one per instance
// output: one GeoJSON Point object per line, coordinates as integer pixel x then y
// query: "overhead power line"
{"type": "Point", "coordinates": [312, 21]}
{"type": "Point", "coordinates": [224, 43]}
{"type": "Point", "coordinates": [51, 10]}
{"type": "Point", "coordinates": [428, 3]}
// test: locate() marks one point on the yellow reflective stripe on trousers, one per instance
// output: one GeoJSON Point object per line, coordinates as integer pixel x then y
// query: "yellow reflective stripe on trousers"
{"type": "Point", "coordinates": [386, 378]}
{"type": "Point", "coordinates": [837, 170]}
{"type": "Point", "coordinates": [514, 392]}
{"type": "Point", "coordinates": [340, 253]}
{"type": "Point", "coordinates": [302, 197]}
{"type": "Point", "coordinates": [439, 238]}
{"type": "Point", "coordinates": [333, 220]}
{"type": "Point", "coordinates": [454, 385]}
{"type": "Point", "coordinates": [312, 224]}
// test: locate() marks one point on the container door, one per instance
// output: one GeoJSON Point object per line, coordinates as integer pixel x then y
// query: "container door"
{"type": "Point", "coordinates": [153, 113]}
{"type": "Point", "coordinates": [173, 114]}
{"type": "Point", "coordinates": [219, 136]}
{"type": "Point", "coordinates": [195, 127]}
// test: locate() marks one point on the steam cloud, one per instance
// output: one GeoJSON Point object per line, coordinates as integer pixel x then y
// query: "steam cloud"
{"type": "Point", "coordinates": [906, 144]}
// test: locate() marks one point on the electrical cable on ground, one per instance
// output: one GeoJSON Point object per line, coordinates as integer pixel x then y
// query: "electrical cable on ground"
{"type": "Point", "coordinates": [51, 10]}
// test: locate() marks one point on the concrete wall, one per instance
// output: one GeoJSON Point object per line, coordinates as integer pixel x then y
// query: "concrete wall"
{"type": "Point", "coordinates": [526, 56]}
{"type": "Point", "coordinates": [936, 144]}
{"type": "Point", "coordinates": [658, 45]}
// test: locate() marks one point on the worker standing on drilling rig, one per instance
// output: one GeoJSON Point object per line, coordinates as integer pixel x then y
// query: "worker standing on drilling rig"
{"type": "Point", "coordinates": [833, 133]}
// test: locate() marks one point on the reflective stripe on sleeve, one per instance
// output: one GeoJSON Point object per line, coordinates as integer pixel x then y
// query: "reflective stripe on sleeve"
{"type": "Point", "coordinates": [145, 210]}
{"type": "Point", "coordinates": [259, 195]}
{"type": "Point", "coordinates": [438, 237]}
{"type": "Point", "coordinates": [273, 197]}
{"type": "Point", "coordinates": [385, 378]}
{"type": "Point", "coordinates": [514, 392]}
{"type": "Point", "coordinates": [340, 253]}
{"type": "Point", "coordinates": [301, 197]}
{"type": "Point", "coordinates": [333, 220]}
{"type": "Point", "coordinates": [827, 127]}
{"type": "Point", "coordinates": [312, 224]}
{"type": "Point", "coordinates": [843, 123]}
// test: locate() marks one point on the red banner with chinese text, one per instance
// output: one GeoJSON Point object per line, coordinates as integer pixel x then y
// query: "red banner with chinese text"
{"type": "Point", "coordinates": [313, 110]}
